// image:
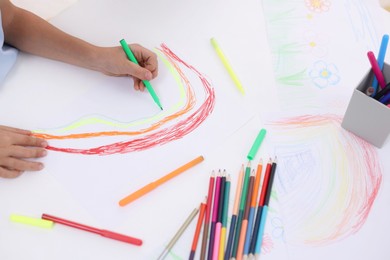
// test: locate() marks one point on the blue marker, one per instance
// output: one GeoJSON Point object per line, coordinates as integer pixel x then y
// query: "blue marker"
{"type": "Point", "coordinates": [264, 212]}
{"type": "Point", "coordinates": [381, 60]}
{"type": "Point", "coordinates": [259, 241]}
{"type": "Point", "coordinates": [248, 233]}
{"type": "Point", "coordinates": [256, 229]}
{"type": "Point", "coordinates": [385, 99]}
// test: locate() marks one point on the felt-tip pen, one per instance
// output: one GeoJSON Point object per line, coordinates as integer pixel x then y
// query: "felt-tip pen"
{"type": "Point", "coordinates": [147, 84]}
{"type": "Point", "coordinates": [102, 232]}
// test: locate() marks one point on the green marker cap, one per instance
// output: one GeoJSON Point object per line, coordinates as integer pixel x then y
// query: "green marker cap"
{"type": "Point", "coordinates": [256, 144]}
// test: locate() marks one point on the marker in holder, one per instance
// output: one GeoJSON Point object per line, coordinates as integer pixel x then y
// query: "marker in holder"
{"type": "Point", "coordinates": [366, 117]}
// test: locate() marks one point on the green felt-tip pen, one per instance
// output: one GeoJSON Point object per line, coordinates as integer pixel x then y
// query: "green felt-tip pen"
{"type": "Point", "coordinates": [147, 84]}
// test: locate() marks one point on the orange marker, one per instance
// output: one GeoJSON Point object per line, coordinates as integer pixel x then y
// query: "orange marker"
{"type": "Point", "coordinates": [252, 208]}
{"type": "Point", "coordinates": [257, 183]}
{"type": "Point", "coordinates": [151, 186]}
{"type": "Point", "coordinates": [207, 217]}
{"type": "Point", "coordinates": [198, 228]}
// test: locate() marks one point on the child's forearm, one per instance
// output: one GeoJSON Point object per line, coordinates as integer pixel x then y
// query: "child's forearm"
{"type": "Point", "coordinates": [30, 33]}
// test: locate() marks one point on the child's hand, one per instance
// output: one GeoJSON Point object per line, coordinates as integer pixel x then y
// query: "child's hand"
{"type": "Point", "coordinates": [114, 62]}
{"type": "Point", "coordinates": [16, 147]}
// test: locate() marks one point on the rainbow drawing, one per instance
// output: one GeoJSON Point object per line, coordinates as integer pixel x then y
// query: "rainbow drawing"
{"type": "Point", "coordinates": [327, 179]}
{"type": "Point", "coordinates": [169, 125]}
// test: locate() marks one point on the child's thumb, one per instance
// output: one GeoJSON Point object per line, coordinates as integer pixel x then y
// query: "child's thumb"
{"type": "Point", "coordinates": [141, 73]}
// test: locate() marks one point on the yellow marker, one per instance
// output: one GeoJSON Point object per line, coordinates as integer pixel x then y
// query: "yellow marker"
{"type": "Point", "coordinates": [38, 222]}
{"type": "Point", "coordinates": [227, 65]}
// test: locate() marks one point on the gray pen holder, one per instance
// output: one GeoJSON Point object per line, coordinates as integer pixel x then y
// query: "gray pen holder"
{"type": "Point", "coordinates": [367, 117]}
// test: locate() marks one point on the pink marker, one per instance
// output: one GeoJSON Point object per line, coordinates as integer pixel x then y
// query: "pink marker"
{"type": "Point", "coordinates": [376, 69]}
{"type": "Point", "coordinates": [214, 219]}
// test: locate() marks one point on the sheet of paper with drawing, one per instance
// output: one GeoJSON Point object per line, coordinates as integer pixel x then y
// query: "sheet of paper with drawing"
{"type": "Point", "coordinates": [332, 189]}
{"type": "Point", "coordinates": [110, 119]}
{"type": "Point", "coordinates": [106, 139]}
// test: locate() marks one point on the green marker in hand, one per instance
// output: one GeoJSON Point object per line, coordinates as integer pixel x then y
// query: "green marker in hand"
{"type": "Point", "coordinates": [147, 84]}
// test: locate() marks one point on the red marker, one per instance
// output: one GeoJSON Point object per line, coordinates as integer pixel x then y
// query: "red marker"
{"type": "Point", "coordinates": [376, 69]}
{"type": "Point", "coordinates": [102, 232]}
{"type": "Point", "coordinates": [260, 207]}
{"type": "Point", "coordinates": [265, 183]}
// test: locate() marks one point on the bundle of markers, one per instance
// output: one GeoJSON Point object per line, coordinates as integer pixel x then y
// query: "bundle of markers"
{"type": "Point", "coordinates": [383, 93]}
{"type": "Point", "coordinates": [243, 239]}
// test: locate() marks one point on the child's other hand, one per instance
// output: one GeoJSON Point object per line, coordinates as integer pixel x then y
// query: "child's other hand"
{"type": "Point", "coordinates": [16, 147]}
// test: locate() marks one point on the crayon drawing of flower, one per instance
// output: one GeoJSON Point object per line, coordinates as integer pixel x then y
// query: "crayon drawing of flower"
{"type": "Point", "coordinates": [324, 75]}
{"type": "Point", "coordinates": [318, 6]}
{"type": "Point", "coordinates": [315, 43]}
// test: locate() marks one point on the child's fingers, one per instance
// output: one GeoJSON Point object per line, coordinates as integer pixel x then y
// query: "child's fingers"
{"type": "Point", "coordinates": [7, 173]}
{"type": "Point", "coordinates": [20, 165]}
{"type": "Point", "coordinates": [26, 152]}
{"type": "Point", "coordinates": [138, 84]}
{"type": "Point", "coordinates": [27, 140]}
{"type": "Point", "coordinates": [14, 130]}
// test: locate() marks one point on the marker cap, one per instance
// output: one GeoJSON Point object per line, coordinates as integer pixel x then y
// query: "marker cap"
{"type": "Point", "coordinates": [256, 144]}
{"type": "Point", "coordinates": [31, 221]}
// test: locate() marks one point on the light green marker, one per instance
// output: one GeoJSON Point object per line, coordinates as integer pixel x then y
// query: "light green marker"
{"type": "Point", "coordinates": [256, 144]}
{"type": "Point", "coordinates": [43, 223]}
{"type": "Point", "coordinates": [227, 65]}
{"type": "Point", "coordinates": [147, 84]}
